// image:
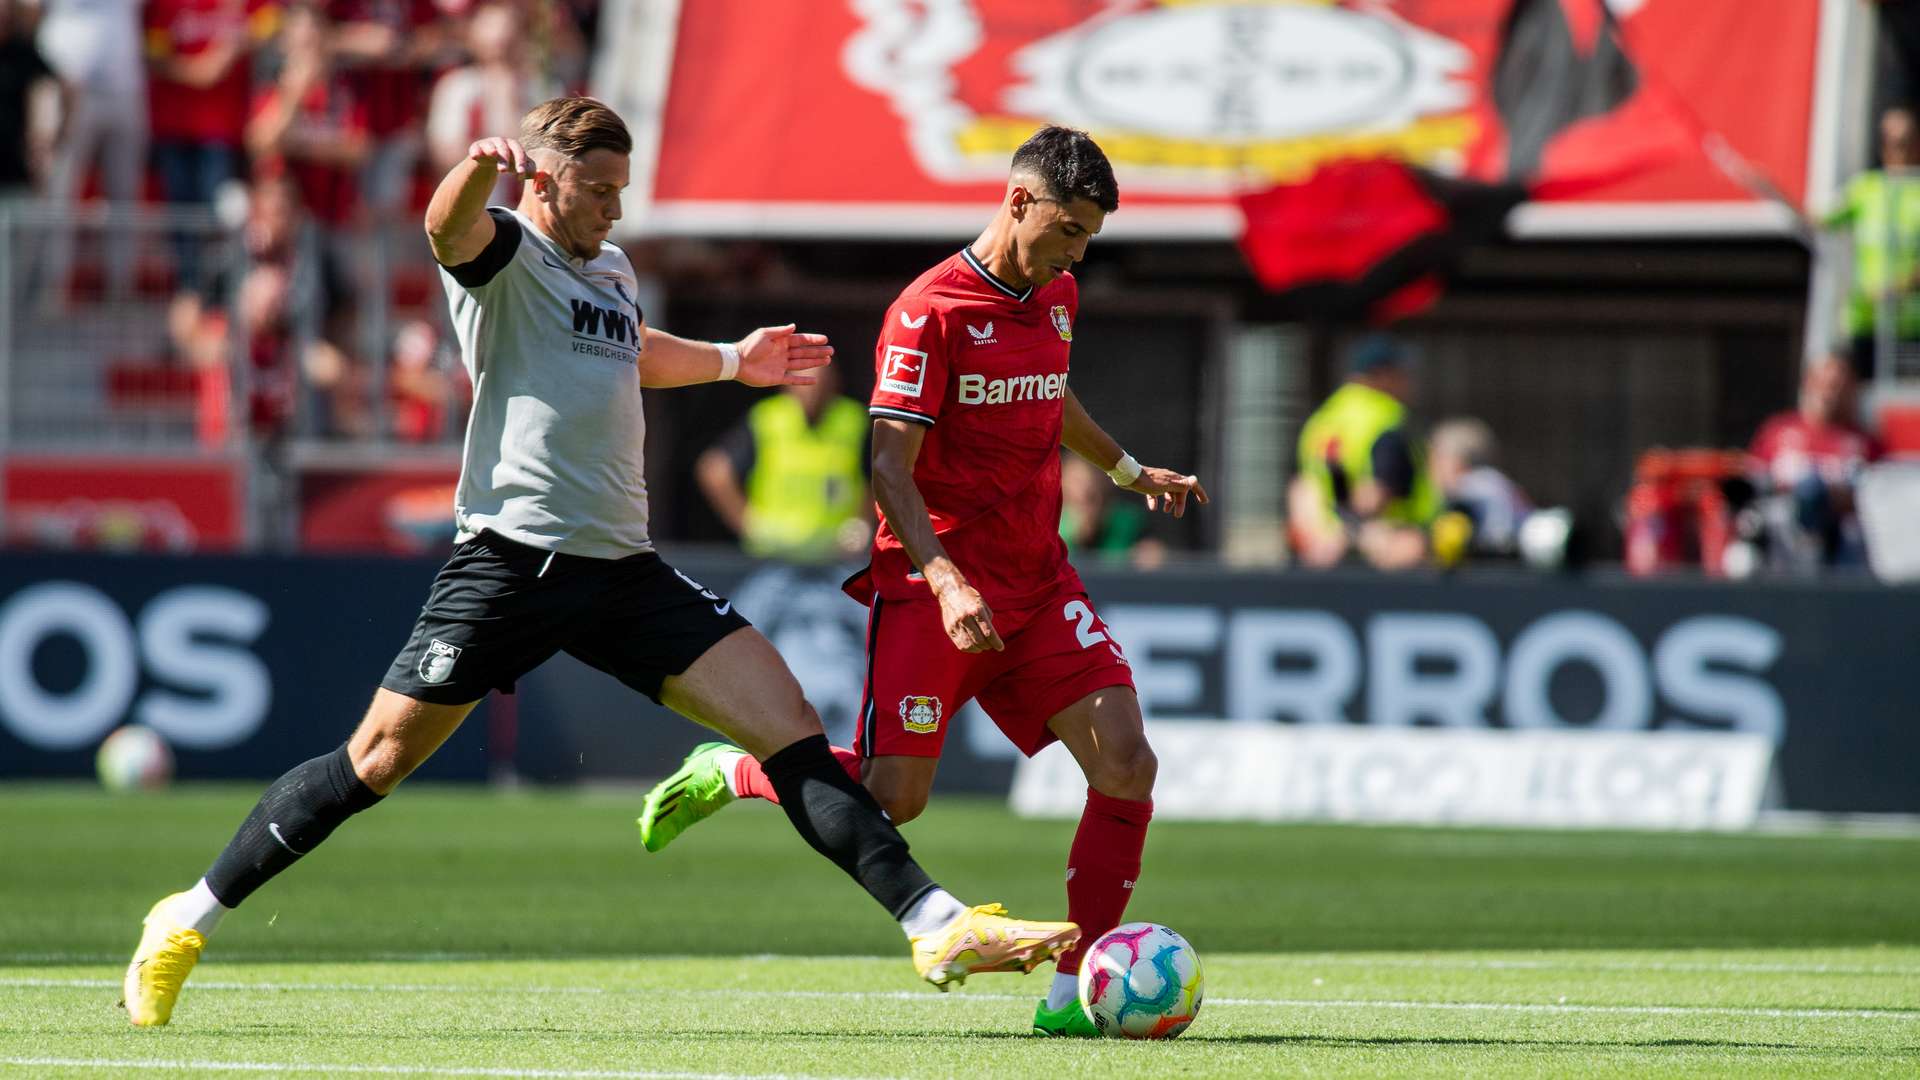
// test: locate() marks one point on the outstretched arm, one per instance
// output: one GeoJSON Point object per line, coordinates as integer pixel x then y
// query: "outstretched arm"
{"type": "Point", "coordinates": [896, 446]}
{"type": "Point", "coordinates": [770, 356]}
{"type": "Point", "coordinates": [1164, 488]}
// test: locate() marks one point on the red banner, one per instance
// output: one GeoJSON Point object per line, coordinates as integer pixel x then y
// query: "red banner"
{"type": "Point", "coordinates": [123, 504]}
{"type": "Point", "coordinates": [877, 117]}
{"type": "Point", "coordinates": [397, 510]}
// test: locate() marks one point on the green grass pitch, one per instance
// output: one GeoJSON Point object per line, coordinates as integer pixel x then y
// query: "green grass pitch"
{"type": "Point", "coordinates": [458, 932]}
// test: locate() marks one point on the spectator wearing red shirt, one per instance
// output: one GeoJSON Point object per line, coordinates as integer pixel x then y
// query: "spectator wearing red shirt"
{"type": "Point", "coordinates": [310, 126]}
{"type": "Point", "coordinates": [387, 51]}
{"type": "Point", "coordinates": [1811, 457]}
{"type": "Point", "coordinates": [199, 55]}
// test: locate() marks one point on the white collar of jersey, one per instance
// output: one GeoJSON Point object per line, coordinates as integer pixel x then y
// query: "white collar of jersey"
{"type": "Point", "coordinates": [986, 275]}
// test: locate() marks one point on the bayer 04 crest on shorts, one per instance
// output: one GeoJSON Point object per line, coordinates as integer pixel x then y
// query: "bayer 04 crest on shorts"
{"type": "Point", "coordinates": [1141, 980]}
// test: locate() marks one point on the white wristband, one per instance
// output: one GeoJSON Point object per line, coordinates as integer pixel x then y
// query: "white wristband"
{"type": "Point", "coordinates": [1125, 471]}
{"type": "Point", "coordinates": [729, 361]}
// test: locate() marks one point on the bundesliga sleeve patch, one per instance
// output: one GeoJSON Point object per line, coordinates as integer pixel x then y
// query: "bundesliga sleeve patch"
{"type": "Point", "coordinates": [904, 371]}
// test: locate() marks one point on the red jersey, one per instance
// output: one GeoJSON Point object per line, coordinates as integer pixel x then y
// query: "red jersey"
{"type": "Point", "coordinates": [330, 192]}
{"type": "Point", "coordinates": [1792, 449]}
{"type": "Point", "coordinates": [984, 366]}
{"type": "Point", "coordinates": [181, 28]}
{"type": "Point", "coordinates": [395, 93]}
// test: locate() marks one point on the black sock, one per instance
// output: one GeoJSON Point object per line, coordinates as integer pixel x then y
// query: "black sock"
{"type": "Point", "coordinates": [298, 811]}
{"type": "Point", "coordinates": [843, 822]}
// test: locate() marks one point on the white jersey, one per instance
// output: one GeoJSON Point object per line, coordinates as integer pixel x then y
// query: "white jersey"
{"type": "Point", "coordinates": [553, 457]}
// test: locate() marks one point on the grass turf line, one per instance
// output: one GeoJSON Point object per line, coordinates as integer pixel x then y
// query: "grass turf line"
{"type": "Point", "coordinates": [539, 937]}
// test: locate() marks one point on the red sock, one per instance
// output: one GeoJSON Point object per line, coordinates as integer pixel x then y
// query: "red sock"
{"type": "Point", "coordinates": [750, 780]}
{"type": "Point", "coordinates": [1102, 867]}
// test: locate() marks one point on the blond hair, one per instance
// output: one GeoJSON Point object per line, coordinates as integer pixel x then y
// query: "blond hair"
{"type": "Point", "coordinates": [572, 126]}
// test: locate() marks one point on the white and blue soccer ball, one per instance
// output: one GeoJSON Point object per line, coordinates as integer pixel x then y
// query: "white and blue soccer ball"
{"type": "Point", "coordinates": [1141, 980]}
{"type": "Point", "coordinates": [134, 758]}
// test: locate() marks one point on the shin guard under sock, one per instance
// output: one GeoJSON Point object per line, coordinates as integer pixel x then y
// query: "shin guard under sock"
{"type": "Point", "coordinates": [296, 813]}
{"type": "Point", "coordinates": [1102, 867]}
{"type": "Point", "coordinates": [843, 822]}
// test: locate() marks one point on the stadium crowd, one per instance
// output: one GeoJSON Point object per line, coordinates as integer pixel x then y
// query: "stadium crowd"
{"type": "Point", "coordinates": [320, 125]}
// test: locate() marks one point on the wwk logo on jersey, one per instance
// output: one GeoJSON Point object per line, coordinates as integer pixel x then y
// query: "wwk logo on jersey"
{"type": "Point", "coordinates": [980, 335]}
{"type": "Point", "coordinates": [437, 665]}
{"type": "Point", "coordinates": [904, 370]}
{"type": "Point", "coordinates": [920, 714]}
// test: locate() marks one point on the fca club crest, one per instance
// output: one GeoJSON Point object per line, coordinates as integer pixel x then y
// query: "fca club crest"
{"type": "Point", "coordinates": [1061, 322]}
{"type": "Point", "coordinates": [437, 664]}
{"type": "Point", "coordinates": [920, 714]}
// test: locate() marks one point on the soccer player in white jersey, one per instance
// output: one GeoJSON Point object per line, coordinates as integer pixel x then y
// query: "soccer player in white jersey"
{"type": "Point", "coordinates": [553, 555]}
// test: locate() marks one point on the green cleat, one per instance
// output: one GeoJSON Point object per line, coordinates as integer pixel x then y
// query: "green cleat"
{"type": "Point", "coordinates": [1069, 1021]}
{"type": "Point", "coordinates": [689, 796]}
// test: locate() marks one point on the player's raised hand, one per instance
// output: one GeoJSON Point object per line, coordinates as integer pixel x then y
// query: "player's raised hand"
{"type": "Point", "coordinates": [968, 619]}
{"type": "Point", "coordinates": [778, 356]}
{"type": "Point", "coordinates": [506, 155]}
{"type": "Point", "coordinates": [1168, 490]}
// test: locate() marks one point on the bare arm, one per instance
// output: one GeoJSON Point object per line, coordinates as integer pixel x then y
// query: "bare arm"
{"type": "Point", "coordinates": [721, 485]}
{"type": "Point", "coordinates": [457, 224]}
{"type": "Point", "coordinates": [770, 356]}
{"type": "Point", "coordinates": [896, 446]}
{"type": "Point", "coordinates": [1164, 488]}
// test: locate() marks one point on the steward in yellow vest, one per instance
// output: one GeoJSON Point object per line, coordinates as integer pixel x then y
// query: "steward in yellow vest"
{"type": "Point", "coordinates": [1362, 478]}
{"type": "Point", "coordinates": [791, 479]}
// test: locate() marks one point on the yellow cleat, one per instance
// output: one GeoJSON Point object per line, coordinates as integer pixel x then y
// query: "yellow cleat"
{"type": "Point", "coordinates": [986, 938]}
{"type": "Point", "coordinates": [160, 967]}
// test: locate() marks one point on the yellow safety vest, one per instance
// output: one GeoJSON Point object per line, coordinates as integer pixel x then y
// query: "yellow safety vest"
{"type": "Point", "coordinates": [806, 480]}
{"type": "Point", "coordinates": [1884, 212]}
{"type": "Point", "coordinates": [1345, 427]}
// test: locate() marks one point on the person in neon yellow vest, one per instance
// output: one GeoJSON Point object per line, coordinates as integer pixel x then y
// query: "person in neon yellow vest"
{"type": "Point", "coordinates": [790, 480]}
{"type": "Point", "coordinates": [1881, 210]}
{"type": "Point", "coordinates": [1362, 482]}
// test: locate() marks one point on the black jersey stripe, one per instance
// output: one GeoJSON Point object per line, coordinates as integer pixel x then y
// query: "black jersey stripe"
{"type": "Point", "coordinates": [986, 275]}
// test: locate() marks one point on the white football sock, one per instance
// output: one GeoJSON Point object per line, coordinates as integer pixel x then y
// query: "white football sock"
{"type": "Point", "coordinates": [1065, 988]}
{"type": "Point", "coordinates": [932, 912]}
{"type": "Point", "coordinates": [197, 908]}
{"type": "Point", "coordinates": [727, 760]}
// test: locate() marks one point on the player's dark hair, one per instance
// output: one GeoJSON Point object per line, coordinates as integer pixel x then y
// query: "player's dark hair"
{"type": "Point", "coordinates": [573, 126]}
{"type": "Point", "coordinates": [1071, 165]}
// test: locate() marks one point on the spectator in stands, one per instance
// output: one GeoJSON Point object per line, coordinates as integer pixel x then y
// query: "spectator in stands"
{"type": "Point", "coordinates": [425, 384]}
{"type": "Point", "coordinates": [1094, 523]}
{"type": "Point", "coordinates": [1362, 485]}
{"type": "Point", "coordinates": [489, 94]}
{"type": "Point", "coordinates": [1462, 463]}
{"type": "Point", "coordinates": [791, 479]}
{"type": "Point", "coordinates": [24, 76]}
{"type": "Point", "coordinates": [95, 47]}
{"type": "Point", "coordinates": [309, 125]}
{"type": "Point", "coordinates": [199, 55]}
{"type": "Point", "coordinates": [1882, 207]}
{"type": "Point", "coordinates": [281, 293]}
{"type": "Point", "coordinates": [1809, 459]}
{"type": "Point", "coordinates": [387, 49]}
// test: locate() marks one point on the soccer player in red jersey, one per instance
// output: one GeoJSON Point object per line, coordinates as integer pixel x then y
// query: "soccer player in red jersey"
{"type": "Point", "coordinates": [970, 589]}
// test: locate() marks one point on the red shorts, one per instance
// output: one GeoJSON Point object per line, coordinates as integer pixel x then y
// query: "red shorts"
{"type": "Point", "coordinates": [1058, 651]}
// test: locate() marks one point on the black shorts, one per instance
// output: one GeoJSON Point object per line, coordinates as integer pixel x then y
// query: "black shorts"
{"type": "Point", "coordinates": [499, 609]}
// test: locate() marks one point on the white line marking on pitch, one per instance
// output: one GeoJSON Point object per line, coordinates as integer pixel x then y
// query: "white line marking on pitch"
{"type": "Point", "coordinates": [916, 995]}
{"type": "Point", "coordinates": [1291, 960]}
{"type": "Point", "coordinates": [388, 1070]}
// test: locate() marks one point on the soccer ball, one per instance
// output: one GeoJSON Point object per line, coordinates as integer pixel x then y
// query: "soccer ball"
{"type": "Point", "coordinates": [1141, 980]}
{"type": "Point", "coordinates": [134, 758]}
